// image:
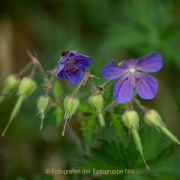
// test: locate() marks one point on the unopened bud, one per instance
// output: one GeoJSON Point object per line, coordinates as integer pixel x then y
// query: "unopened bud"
{"type": "Point", "coordinates": [131, 119]}
{"type": "Point", "coordinates": [43, 105]}
{"type": "Point", "coordinates": [70, 106]}
{"type": "Point", "coordinates": [153, 119]}
{"type": "Point", "coordinates": [26, 87]}
{"type": "Point", "coordinates": [11, 84]}
{"type": "Point", "coordinates": [97, 103]}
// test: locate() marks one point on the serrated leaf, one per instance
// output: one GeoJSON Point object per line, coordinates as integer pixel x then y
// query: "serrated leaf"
{"type": "Point", "coordinates": [88, 128]}
{"type": "Point", "coordinates": [118, 125]}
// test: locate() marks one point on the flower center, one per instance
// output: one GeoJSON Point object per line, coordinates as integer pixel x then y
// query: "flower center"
{"type": "Point", "coordinates": [132, 70]}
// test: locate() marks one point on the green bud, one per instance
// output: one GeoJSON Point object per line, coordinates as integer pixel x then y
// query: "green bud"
{"type": "Point", "coordinates": [152, 118]}
{"type": "Point", "coordinates": [97, 103]}
{"type": "Point", "coordinates": [11, 84]}
{"type": "Point", "coordinates": [26, 87]}
{"type": "Point", "coordinates": [131, 119]}
{"type": "Point", "coordinates": [70, 106]}
{"type": "Point", "coordinates": [43, 105]}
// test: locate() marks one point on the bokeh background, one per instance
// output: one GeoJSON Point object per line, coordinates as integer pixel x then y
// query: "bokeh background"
{"type": "Point", "coordinates": [104, 30]}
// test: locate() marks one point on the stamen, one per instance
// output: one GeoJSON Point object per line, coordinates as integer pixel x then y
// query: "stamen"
{"type": "Point", "coordinates": [132, 70]}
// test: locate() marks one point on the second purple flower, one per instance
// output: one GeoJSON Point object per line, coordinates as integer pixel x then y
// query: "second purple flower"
{"type": "Point", "coordinates": [72, 65]}
{"type": "Point", "coordinates": [133, 75]}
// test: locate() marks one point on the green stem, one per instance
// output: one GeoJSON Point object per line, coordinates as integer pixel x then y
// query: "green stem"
{"type": "Point", "coordinates": [110, 106]}
{"type": "Point", "coordinates": [42, 72]}
{"type": "Point", "coordinates": [92, 86]}
{"type": "Point", "coordinates": [104, 85]}
{"type": "Point", "coordinates": [23, 70]}
{"type": "Point", "coordinates": [14, 112]}
{"type": "Point", "coordinates": [101, 119]}
{"type": "Point", "coordinates": [169, 134]}
{"type": "Point", "coordinates": [80, 84]}
{"type": "Point", "coordinates": [51, 84]}
{"type": "Point", "coordinates": [139, 104]}
{"type": "Point", "coordinates": [138, 143]}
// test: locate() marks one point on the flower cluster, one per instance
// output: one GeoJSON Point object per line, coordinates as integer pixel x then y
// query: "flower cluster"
{"type": "Point", "coordinates": [133, 76]}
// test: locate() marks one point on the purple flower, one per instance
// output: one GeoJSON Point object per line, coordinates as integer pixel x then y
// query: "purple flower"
{"type": "Point", "coordinates": [72, 65]}
{"type": "Point", "coordinates": [133, 75]}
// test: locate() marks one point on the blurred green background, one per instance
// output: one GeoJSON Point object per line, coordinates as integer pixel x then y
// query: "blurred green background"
{"type": "Point", "coordinates": [104, 30]}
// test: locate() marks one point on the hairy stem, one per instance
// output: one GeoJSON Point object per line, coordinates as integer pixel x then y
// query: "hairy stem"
{"type": "Point", "coordinates": [23, 70]}
{"type": "Point", "coordinates": [80, 84]}
{"type": "Point", "coordinates": [92, 85]}
{"type": "Point", "coordinates": [139, 104]}
{"type": "Point", "coordinates": [110, 106]}
{"type": "Point", "coordinates": [102, 87]}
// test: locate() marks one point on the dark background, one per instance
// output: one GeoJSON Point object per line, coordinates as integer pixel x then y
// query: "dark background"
{"type": "Point", "coordinates": [104, 30]}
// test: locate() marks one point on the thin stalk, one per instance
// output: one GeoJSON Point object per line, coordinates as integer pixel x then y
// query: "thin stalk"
{"type": "Point", "coordinates": [42, 72]}
{"type": "Point", "coordinates": [50, 84]}
{"type": "Point", "coordinates": [131, 104]}
{"type": "Point", "coordinates": [36, 62]}
{"type": "Point", "coordinates": [139, 104]}
{"type": "Point", "coordinates": [14, 112]}
{"type": "Point", "coordinates": [110, 106]}
{"type": "Point", "coordinates": [23, 70]}
{"type": "Point", "coordinates": [32, 72]}
{"type": "Point", "coordinates": [104, 85]}
{"type": "Point", "coordinates": [92, 86]}
{"type": "Point", "coordinates": [80, 84]}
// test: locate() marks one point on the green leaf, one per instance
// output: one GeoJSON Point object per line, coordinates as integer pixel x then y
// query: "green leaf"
{"type": "Point", "coordinates": [57, 89]}
{"type": "Point", "coordinates": [85, 107]}
{"type": "Point", "coordinates": [88, 128]}
{"type": "Point", "coordinates": [59, 114]}
{"type": "Point", "coordinates": [115, 122]}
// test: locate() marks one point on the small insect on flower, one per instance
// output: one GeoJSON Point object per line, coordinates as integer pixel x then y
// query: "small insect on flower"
{"type": "Point", "coordinates": [72, 65]}
{"type": "Point", "coordinates": [133, 75]}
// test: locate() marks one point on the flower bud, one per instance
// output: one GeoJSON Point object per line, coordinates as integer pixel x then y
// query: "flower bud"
{"type": "Point", "coordinates": [70, 106]}
{"type": "Point", "coordinates": [131, 119]}
{"type": "Point", "coordinates": [11, 84]}
{"type": "Point", "coordinates": [97, 103]}
{"type": "Point", "coordinates": [26, 87]}
{"type": "Point", "coordinates": [153, 119]}
{"type": "Point", "coordinates": [43, 105]}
